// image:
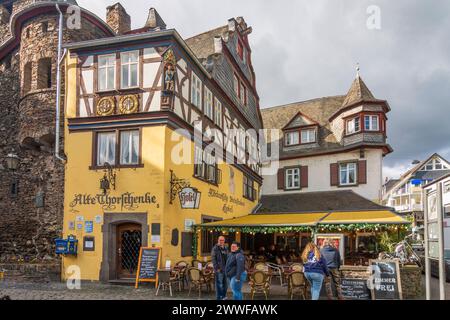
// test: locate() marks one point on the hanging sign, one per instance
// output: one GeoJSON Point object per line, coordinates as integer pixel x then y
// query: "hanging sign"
{"type": "Point", "coordinates": [189, 198]}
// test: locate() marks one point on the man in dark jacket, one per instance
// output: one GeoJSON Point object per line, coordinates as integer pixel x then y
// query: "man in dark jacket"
{"type": "Point", "coordinates": [219, 257]}
{"type": "Point", "coordinates": [235, 270]}
{"type": "Point", "coordinates": [333, 259]}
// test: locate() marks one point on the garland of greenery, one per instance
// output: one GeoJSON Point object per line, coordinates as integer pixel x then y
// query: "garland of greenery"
{"type": "Point", "coordinates": [321, 228]}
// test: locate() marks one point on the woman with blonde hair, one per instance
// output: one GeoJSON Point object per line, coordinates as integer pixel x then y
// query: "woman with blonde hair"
{"type": "Point", "coordinates": [315, 268]}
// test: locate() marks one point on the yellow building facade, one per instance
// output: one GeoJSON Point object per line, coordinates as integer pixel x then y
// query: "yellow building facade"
{"type": "Point", "coordinates": [130, 108]}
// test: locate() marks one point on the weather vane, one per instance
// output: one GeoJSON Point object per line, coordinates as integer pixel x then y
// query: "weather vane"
{"type": "Point", "coordinates": [357, 69]}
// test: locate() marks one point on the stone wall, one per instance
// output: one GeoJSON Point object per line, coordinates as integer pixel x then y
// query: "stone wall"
{"type": "Point", "coordinates": [26, 272]}
{"type": "Point", "coordinates": [32, 217]}
{"type": "Point", "coordinates": [411, 278]}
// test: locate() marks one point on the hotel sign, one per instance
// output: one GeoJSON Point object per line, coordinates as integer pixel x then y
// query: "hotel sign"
{"type": "Point", "coordinates": [189, 198]}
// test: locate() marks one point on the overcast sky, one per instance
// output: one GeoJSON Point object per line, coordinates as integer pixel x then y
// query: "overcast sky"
{"type": "Point", "coordinates": [304, 49]}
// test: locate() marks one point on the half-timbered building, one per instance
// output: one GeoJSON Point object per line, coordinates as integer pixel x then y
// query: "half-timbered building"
{"type": "Point", "coordinates": [135, 104]}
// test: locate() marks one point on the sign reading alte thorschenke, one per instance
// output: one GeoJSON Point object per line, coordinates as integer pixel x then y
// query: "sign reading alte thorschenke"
{"type": "Point", "coordinates": [128, 201]}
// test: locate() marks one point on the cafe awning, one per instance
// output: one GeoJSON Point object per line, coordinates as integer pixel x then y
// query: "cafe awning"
{"type": "Point", "coordinates": [346, 220]}
{"type": "Point", "coordinates": [269, 220]}
{"type": "Point", "coordinates": [366, 217]}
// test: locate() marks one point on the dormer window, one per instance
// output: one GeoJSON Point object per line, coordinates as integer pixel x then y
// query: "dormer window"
{"type": "Point", "coordinates": [308, 136]}
{"type": "Point", "coordinates": [353, 125]}
{"type": "Point", "coordinates": [292, 138]}
{"type": "Point", "coordinates": [371, 123]}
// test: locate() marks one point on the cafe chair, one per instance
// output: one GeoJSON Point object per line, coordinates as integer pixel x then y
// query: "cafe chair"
{"type": "Point", "coordinates": [166, 279]}
{"type": "Point", "coordinates": [297, 285]}
{"type": "Point", "coordinates": [259, 283]}
{"type": "Point", "coordinates": [296, 267]}
{"type": "Point", "coordinates": [196, 281]}
{"type": "Point", "coordinates": [260, 266]}
{"type": "Point", "coordinates": [195, 263]}
{"type": "Point", "coordinates": [182, 267]}
{"type": "Point", "coordinates": [277, 271]}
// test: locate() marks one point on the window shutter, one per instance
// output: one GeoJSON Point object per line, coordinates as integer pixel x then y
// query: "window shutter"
{"type": "Point", "coordinates": [304, 176]}
{"type": "Point", "coordinates": [362, 172]}
{"type": "Point", "coordinates": [281, 179]}
{"type": "Point", "coordinates": [334, 174]}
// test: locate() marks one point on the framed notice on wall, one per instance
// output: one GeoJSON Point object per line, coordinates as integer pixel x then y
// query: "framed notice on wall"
{"type": "Point", "coordinates": [336, 240]}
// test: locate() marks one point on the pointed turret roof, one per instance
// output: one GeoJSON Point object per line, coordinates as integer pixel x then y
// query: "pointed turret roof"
{"type": "Point", "coordinates": [358, 92]}
{"type": "Point", "coordinates": [154, 20]}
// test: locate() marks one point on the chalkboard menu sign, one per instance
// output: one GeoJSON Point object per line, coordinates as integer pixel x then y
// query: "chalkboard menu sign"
{"type": "Point", "coordinates": [149, 260]}
{"type": "Point", "coordinates": [355, 289]}
{"type": "Point", "coordinates": [386, 280]}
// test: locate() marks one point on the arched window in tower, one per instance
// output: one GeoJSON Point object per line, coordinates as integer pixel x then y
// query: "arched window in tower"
{"type": "Point", "coordinates": [27, 77]}
{"type": "Point", "coordinates": [44, 73]}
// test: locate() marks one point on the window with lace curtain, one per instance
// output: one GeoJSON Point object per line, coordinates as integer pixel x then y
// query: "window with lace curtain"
{"type": "Point", "coordinates": [129, 147]}
{"type": "Point", "coordinates": [118, 148]}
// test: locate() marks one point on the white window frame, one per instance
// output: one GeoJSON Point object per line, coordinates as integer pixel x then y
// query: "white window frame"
{"type": "Point", "coordinates": [113, 161]}
{"type": "Point", "coordinates": [346, 168]}
{"type": "Point", "coordinates": [351, 125]}
{"type": "Point", "coordinates": [243, 93]}
{"type": "Point", "coordinates": [129, 161]}
{"type": "Point", "coordinates": [236, 85]}
{"type": "Point", "coordinates": [218, 111]}
{"type": "Point", "coordinates": [311, 136]}
{"type": "Point", "coordinates": [108, 68]}
{"type": "Point", "coordinates": [126, 83]}
{"type": "Point", "coordinates": [289, 140]}
{"type": "Point", "coordinates": [196, 91]}
{"type": "Point", "coordinates": [374, 123]}
{"type": "Point", "coordinates": [209, 104]}
{"type": "Point", "coordinates": [294, 174]}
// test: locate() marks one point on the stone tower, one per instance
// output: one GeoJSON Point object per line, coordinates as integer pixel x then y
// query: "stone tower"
{"type": "Point", "coordinates": [31, 197]}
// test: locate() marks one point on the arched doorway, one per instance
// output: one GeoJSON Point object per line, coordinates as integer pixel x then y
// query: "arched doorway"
{"type": "Point", "coordinates": [129, 241]}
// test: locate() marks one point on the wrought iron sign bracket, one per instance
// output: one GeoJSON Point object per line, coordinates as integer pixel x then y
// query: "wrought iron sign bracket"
{"type": "Point", "coordinates": [176, 185]}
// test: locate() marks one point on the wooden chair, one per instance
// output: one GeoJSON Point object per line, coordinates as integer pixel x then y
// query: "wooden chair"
{"type": "Point", "coordinates": [259, 283]}
{"type": "Point", "coordinates": [297, 285]}
{"type": "Point", "coordinates": [166, 279]}
{"type": "Point", "coordinates": [196, 280]}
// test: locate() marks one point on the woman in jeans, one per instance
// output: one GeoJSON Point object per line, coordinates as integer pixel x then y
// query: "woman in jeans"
{"type": "Point", "coordinates": [315, 268]}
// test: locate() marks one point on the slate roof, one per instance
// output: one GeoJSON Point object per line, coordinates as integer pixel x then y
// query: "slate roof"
{"type": "Point", "coordinates": [342, 200]}
{"type": "Point", "coordinates": [390, 184]}
{"type": "Point", "coordinates": [358, 92]}
{"type": "Point", "coordinates": [203, 44]}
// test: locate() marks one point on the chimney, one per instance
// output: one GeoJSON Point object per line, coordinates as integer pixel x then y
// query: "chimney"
{"type": "Point", "coordinates": [232, 25]}
{"type": "Point", "coordinates": [218, 44]}
{"type": "Point", "coordinates": [4, 15]}
{"type": "Point", "coordinates": [118, 19]}
{"type": "Point", "coordinates": [154, 20]}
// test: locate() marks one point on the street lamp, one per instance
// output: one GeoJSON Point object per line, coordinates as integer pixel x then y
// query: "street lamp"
{"type": "Point", "coordinates": [12, 162]}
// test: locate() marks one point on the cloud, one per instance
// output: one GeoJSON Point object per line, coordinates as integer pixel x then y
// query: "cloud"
{"type": "Point", "coordinates": [306, 49]}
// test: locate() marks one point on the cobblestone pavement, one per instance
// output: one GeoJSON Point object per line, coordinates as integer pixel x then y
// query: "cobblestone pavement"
{"type": "Point", "coordinates": [97, 291]}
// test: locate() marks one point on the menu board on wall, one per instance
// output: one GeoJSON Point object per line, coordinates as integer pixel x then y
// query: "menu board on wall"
{"type": "Point", "coordinates": [149, 260]}
{"type": "Point", "coordinates": [355, 289]}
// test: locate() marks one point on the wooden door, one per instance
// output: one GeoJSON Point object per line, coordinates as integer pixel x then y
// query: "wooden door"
{"type": "Point", "coordinates": [129, 240]}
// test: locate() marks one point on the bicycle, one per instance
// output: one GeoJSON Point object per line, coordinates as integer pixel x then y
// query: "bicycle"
{"type": "Point", "coordinates": [404, 253]}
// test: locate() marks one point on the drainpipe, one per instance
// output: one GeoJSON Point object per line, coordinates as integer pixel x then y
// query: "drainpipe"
{"type": "Point", "coordinates": [58, 83]}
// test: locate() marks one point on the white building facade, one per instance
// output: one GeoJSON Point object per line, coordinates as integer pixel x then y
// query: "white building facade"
{"type": "Point", "coordinates": [330, 144]}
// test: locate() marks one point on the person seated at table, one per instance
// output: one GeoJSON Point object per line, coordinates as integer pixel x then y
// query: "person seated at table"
{"type": "Point", "coordinates": [271, 254]}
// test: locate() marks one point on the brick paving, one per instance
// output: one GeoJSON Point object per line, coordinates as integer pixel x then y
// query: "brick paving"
{"type": "Point", "coordinates": [97, 291]}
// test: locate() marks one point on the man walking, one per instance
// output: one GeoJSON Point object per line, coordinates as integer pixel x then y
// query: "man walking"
{"type": "Point", "coordinates": [333, 259]}
{"type": "Point", "coordinates": [235, 270]}
{"type": "Point", "coordinates": [219, 256]}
